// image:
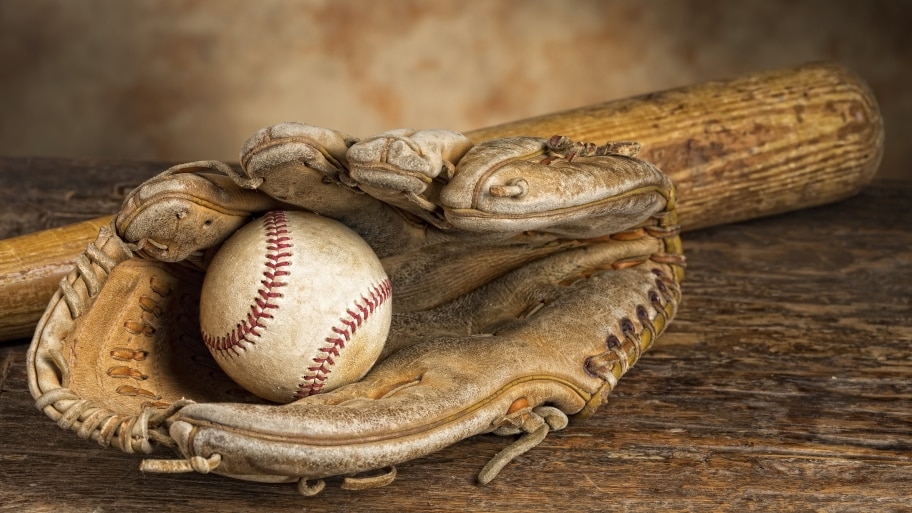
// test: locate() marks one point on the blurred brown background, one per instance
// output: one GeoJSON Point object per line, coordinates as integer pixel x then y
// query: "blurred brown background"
{"type": "Point", "coordinates": [188, 80]}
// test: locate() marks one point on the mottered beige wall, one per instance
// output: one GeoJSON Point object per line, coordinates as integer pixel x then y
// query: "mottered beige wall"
{"type": "Point", "coordinates": [190, 80]}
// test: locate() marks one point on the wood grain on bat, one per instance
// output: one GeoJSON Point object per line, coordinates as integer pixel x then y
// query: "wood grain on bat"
{"type": "Point", "coordinates": [31, 266]}
{"type": "Point", "coordinates": [757, 145]}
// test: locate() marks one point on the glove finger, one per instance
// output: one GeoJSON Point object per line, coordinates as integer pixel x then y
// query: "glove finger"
{"type": "Point", "coordinates": [407, 167]}
{"type": "Point", "coordinates": [436, 274]}
{"type": "Point", "coordinates": [632, 197]}
{"type": "Point", "coordinates": [293, 161]}
{"type": "Point", "coordinates": [307, 167]}
{"type": "Point", "coordinates": [186, 209]}
{"type": "Point", "coordinates": [514, 295]}
{"type": "Point", "coordinates": [509, 281]}
{"type": "Point", "coordinates": [525, 183]}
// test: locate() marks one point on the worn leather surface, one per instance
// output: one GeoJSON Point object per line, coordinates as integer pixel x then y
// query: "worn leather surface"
{"type": "Point", "coordinates": [528, 276]}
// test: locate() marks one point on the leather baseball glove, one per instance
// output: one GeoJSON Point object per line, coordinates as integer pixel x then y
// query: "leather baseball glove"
{"type": "Point", "coordinates": [528, 276]}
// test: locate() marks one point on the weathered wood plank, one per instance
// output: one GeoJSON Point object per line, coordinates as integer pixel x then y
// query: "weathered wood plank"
{"type": "Point", "coordinates": [41, 193]}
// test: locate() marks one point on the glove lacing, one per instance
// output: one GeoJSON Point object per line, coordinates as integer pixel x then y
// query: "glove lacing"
{"type": "Point", "coordinates": [536, 423]}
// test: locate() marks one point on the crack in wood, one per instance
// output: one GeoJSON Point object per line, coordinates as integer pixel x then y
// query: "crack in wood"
{"type": "Point", "coordinates": [9, 357]}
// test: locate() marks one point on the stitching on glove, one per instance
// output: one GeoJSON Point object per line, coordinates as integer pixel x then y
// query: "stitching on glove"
{"type": "Point", "coordinates": [146, 325]}
{"type": "Point", "coordinates": [663, 299]}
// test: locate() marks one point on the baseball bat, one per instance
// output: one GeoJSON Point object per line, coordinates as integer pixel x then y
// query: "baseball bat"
{"type": "Point", "coordinates": [752, 146]}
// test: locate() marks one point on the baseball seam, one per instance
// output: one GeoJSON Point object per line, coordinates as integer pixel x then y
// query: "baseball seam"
{"type": "Point", "coordinates": [313, 382]}
{"type": "Point", "coordinates": [278, 243]}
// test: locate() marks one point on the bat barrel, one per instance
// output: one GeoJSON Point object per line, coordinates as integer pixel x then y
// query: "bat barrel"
{"type": "Point", "coordinates": [31, 267]}
{"type": "Point", "coordinates": [756, 145]}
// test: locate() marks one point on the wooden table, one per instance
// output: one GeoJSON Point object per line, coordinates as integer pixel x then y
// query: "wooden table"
{"type": "Point", "coordinates": [785, 384]}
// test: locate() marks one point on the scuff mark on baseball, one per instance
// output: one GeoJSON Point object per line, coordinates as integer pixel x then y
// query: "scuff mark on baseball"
{"type": "Point", "coordinates": [295, 304]}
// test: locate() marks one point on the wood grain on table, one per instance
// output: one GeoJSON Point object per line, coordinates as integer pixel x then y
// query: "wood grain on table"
{"type": "Point", "coordinates": [785, 384]}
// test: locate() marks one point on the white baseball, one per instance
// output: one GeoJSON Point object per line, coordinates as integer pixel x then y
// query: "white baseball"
{"type": "Point", "coordinates": [295, 304]}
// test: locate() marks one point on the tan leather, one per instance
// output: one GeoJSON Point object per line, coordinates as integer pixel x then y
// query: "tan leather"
{"type": "Point", "coordinates": [186, 208]}
{"type": "Point", "coordinates": [528, 276]}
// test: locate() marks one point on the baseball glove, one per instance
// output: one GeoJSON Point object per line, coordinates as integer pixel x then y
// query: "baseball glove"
{"type": "Point", "coordinates": [528, 276]}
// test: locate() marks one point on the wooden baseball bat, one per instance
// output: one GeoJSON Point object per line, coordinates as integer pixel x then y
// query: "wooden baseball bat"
{"type": "Point", "coordinates": [752, 146]}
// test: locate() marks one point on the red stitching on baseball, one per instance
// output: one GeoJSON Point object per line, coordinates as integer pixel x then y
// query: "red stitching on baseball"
{"type": "Point", "coordinates": [316, 377]}
{"type": "Point", "coordinates": [277, 245]}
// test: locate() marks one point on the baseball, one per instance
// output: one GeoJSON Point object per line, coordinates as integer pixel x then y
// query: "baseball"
{"type": "Point", "coordinates": [294, 304]}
